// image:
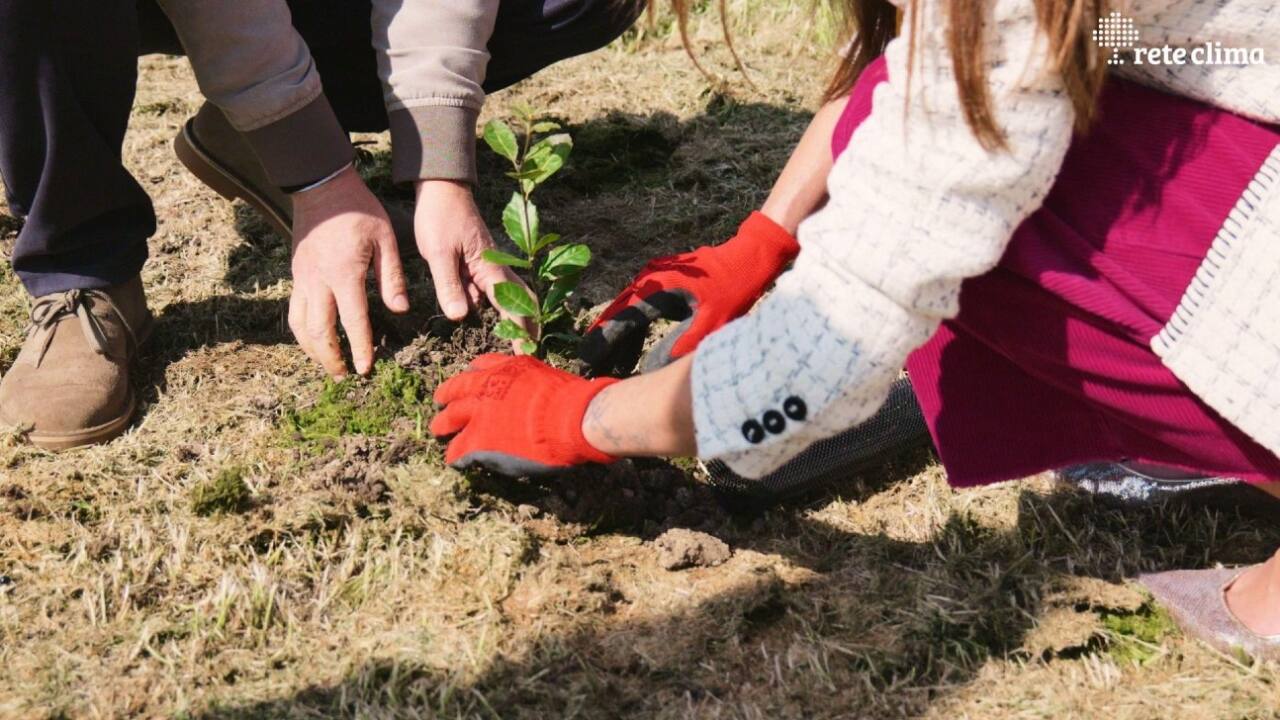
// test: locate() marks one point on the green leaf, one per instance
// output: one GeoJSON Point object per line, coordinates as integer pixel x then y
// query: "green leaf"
{"type": "Point", "coordinates": [523, 111]}
{"type": "Point", "coordinates": [554, 316]}
{"type": "Point", "coordinates": [548, 239]}
{"type": "Point", "coordinates": [510, 330]}
{"type": "Point", "coordinates": [497, 257]}
{"type": "Point", "coordinates": [557, 294]}
{"type": "Point", "coordinates": [547, 156]}
{"type": "Point", "coordinates": [515, 299]}
{"type": "Point", "coordinates": [546, 126]}
{"type": "Point", "coordinates": [560, 142]}
{"type": "Point", "coordinates": [529, 347]}
{"type": "Point", "coordinates": [499, 137]}
{"type": "Point", "coordinates": [514, 221]}
{"type": "Point", "coordinates": [524, 174]}
{"type": "Point", "coordinates": [565, 260]}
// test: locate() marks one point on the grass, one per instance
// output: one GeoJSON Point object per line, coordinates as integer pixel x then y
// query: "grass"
{"type": "Point", "coordinates": [364, 579]}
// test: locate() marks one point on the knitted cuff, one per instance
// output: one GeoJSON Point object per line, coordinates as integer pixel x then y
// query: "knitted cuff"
{"type": "Point", "coordinates": [433, 142]}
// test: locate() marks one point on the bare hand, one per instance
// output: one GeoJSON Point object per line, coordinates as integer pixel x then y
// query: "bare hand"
{"type": "Point", "coordinates": [340, 230]}
{"type": "Point", "coordinates": [452, 237]}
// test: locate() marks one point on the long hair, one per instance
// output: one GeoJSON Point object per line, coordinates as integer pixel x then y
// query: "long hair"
{"type": "Point", "coordinates": [681, 9]}
{"type": "Point", "coordinates": [867, 26]}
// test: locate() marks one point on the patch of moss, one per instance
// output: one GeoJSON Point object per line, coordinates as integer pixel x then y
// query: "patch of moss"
{"type": "Point", "coordinates": [359, 407]}
{"type": "Point", "coordinates": [159, 109]}
{"type": "Point", "coordinates": [226, 493]}
{"type": "Point", "coordinates": [1135, 635]}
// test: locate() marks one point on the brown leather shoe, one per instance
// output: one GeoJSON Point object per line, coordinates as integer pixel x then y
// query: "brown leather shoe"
{"type": "Point", "coordinates": [221, 158]}
{"type": "Point", "coordinates": [70, 384]}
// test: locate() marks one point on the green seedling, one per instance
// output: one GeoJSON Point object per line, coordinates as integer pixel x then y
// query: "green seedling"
{"type": "Point", "coordinates": [550, 268]}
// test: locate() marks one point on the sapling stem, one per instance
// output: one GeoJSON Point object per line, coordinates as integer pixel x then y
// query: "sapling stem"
{"type": "Point", "coordinates": [552, 269]}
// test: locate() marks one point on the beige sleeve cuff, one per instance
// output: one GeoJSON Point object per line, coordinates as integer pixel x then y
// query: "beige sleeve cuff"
{"type": "Point", "coordinates": [433, 142]}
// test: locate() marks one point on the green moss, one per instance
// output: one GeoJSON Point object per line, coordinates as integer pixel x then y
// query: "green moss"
{"type": "Point", "coordinates": [1135, 635]}
{"type": "Point", "coordinates": [226, 493]}
{"type": "Point", "coordinates": [359, 407]}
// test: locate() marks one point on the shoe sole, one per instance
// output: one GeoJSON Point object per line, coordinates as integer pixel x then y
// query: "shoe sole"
{"type": "Point", "coordinates": [224, 181]}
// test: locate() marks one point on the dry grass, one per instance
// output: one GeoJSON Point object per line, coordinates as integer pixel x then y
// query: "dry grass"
{"type": "Point", "coordinates": [360, 578]}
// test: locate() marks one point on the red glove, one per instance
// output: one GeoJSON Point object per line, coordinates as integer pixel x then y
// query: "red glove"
{"type": "Point", "coordinates": [516, 416]}
{"type": "Point", "coordinates": [705, 289]}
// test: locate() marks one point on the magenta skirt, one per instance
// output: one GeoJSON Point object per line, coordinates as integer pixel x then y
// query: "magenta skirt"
{"type": "Point", "coordinates": [1049, 362]}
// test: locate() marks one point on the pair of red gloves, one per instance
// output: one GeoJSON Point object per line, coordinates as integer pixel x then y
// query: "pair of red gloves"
{"type": "Point", "coordinates": [519, 416]}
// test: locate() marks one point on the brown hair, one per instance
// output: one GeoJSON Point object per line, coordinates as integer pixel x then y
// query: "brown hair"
{"type": "Point", "coordinates": [868, 26]}
{"type": "Point", "coordinates": [681, 9]}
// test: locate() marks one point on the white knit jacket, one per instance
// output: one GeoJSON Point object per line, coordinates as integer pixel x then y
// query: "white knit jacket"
{"type": "Point", "coordinates": [917, 206]}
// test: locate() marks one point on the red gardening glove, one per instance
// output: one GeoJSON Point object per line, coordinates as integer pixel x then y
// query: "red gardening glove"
{"type": "Point", "coordinates": [516, 416]}
{"type": "Point", "coordinates": [704, 289]}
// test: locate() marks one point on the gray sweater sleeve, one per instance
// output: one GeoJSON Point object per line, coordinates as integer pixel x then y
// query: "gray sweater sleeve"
{"type": "Point", "coordinates": [251, 63]}
{"type": "Point", "coordinates": [432, 57]}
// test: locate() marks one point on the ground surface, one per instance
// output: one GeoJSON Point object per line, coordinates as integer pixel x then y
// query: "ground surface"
{"type": "Point", "coordinates": [246, 552]}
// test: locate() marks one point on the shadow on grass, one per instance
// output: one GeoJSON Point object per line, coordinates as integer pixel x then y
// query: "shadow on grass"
{"type": "Point", "coordinates": [886, 629]}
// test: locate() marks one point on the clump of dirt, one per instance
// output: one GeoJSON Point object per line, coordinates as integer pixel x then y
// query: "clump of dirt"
{"type": "Point", "coordinates": [355, 470]}
{"type": "Point", "coordinates": [679, 548]}
{"type": "Point", "coordinates": [226, 493]}
{"type": "Point", "coordinates": [448, 347]}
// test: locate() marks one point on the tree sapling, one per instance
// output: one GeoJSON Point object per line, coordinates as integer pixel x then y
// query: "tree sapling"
{"type": "Point", "coordinates": [552, 269]}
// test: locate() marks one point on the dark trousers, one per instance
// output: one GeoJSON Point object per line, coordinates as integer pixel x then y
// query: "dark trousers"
{"type": "Point", "coordinates": [67, 74]}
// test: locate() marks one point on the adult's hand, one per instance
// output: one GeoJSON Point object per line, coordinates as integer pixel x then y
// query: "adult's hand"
{"type": "Point", "coordinates": [452, 237]}
{"type": "Point", "coordinates": [340, 230]}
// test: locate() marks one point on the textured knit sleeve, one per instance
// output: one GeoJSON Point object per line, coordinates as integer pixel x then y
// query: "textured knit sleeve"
{"type": "Point", "coordinates": [432, 58]}
{"type": "Point", "coordinates": [916, 206]}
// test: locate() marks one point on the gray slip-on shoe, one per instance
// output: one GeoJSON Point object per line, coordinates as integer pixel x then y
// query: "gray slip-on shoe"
{"type": "Point", "coordinates": [1197, 600]}
{"type": "Point", "coordinates": [1135, 486]}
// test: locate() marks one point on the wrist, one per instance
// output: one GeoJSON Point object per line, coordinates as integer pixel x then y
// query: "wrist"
{"type": "Point", "coordinates": [585, 427]}
{"type": "Point", "coordinates": [295, 190]}
{"type": "Point", "coordinates": [443, 188]}
{"type": "Point", "coordinates": [644, 416]}
{"type": "Point", "coordinates": [334, 189]}
{"type": "Point", "coordinates": [761, 246]}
